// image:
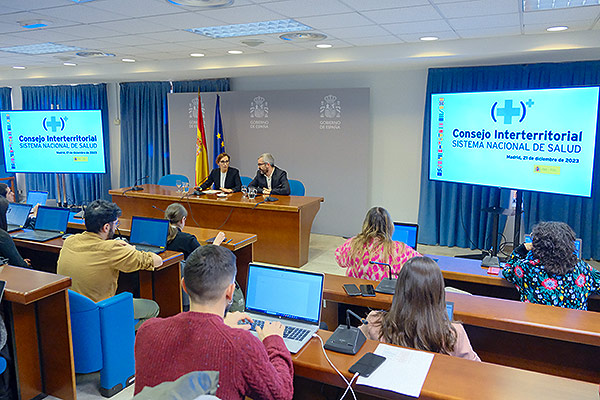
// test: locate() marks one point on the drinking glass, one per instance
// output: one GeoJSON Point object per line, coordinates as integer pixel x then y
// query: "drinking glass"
{"type": "Point", "coordinates": [178, 183]}
{"type": "Point", "coordinates": [186, 187]}
{"type": "Point", "coordinates": [251, 193]}
{"type": "Point", "coordinates": [244, 191]}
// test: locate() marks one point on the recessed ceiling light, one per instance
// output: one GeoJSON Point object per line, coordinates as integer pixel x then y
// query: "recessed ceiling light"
{"type": "Point", "coordinates": [252, 42]}
{"type": "Point", "coordinates": [127, 60]}
{"type": "Point", "coordinates": [251, 29]}
{"type": "Point", "coordinates": [40, 48]}
{"type": "Point", "coordinates": [18, 67]}
{"type": "Point", "coordinates": [93, 53]}
{"type": "Point", "coordinates": [81, 1]}
{"type": "Point", "coordinates": [324, 46]}
{"type": "Point", "coordinates": [429, 38]}
{"type": "Point", "coordinates": [536, 5]}
{"type": "Point", "coordinates": [202, 3]}
{"type": "Point", "coordinates": [33, 23]}
{"type": "Point", "coordinates": [197, 55]}
{"type": "Point", "coordinates": [235, 52]}
{"type": "Point", "coordinates": [557, 28]}
{"type": "Point", "coordinates": [70, 64]}
{"type": "Point", "coordinates": [303, 36]}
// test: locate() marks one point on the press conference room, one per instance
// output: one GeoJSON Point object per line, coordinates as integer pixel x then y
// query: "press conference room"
{"type": "Point", "coordinates": [468, 122]}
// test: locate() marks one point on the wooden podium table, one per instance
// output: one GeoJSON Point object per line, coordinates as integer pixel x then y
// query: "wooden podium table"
{"type": "Point", "coordinates": [448, 378]}
{"type": "Point", "coordinates": [536, 337]}
{"type": "Point", "coordinates": [283, 227]}
{"type": "Point", "coordinates": [38, 320]}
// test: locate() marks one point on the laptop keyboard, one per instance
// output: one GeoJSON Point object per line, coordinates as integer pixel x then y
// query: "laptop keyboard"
{"type": "Point", "coordinates": [290, 332]}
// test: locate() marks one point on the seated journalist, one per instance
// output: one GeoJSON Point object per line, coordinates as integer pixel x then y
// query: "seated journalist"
{"type": "Point", "coordinates": [547, 270]}
{"type": "Point", "coordinates": [270, 179]}
{"type": "Point", "coordinates": [93, 259]}
{"type": "Point", "coordinates": [225, 178]}
{"type": "Point", "coordinates": [204, 339]}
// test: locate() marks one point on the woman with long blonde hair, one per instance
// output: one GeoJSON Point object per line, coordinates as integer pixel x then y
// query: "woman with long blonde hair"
{"type": "Point", "coordinates": [374, 243]}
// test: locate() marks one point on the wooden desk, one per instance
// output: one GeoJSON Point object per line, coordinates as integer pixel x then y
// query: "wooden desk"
{"type": "Point", "coordinates": [167, 277]}
{"type": "Point", "coordinates": [38, 320]}
{"type": "Point", "coordinates": [283, 227]}
{"type": "Point", "coordinates": [536, 337]}
{"type": "Point", "coordinates": [241, 244]}
{"type": "Point", "coordinates": [448, 378]}
{"type": "Point", "coordinates": [466, 274]}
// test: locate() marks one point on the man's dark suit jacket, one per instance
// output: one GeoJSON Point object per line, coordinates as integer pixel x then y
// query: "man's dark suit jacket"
{"type": "Point", "coordinates": [232, 180]}
{"type": "Point", "coordinates": [279, 182]}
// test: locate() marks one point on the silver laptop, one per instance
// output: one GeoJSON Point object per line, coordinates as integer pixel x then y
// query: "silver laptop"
{"type": "Point", "coordinates": [149, 234]}
{"type": "Point", "coordinates": [290, 296]}
{"type": "Point", "coordinates": [50, 223]}
{"type": "Point", "coordinates": [16, 216]}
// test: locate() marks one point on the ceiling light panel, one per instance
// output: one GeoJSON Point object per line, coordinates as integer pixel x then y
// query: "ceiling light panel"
{"type": "Point", "coordinates": [253, 28]}
{"type": "Point", "coordinates": [537, 5]}
{"type": "Point", "coordinates": [41, 48]}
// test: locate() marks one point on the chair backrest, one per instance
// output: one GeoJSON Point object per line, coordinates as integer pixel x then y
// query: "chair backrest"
{"type": "Point", "coordinates": [245, 180]}
{"type": "Point", "coordinates": [171, 179]}
{"type": "Point", "coordinates": [85, 326]}
{"type": "Point", "coordinates": [296, 188]}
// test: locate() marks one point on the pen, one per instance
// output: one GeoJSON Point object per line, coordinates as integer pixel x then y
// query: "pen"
{"type": "Point", "coordinates": [228, 241]}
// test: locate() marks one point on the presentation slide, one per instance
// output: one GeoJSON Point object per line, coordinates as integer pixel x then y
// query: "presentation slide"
{"type": "Point", "coordinates": [541, 140]}
{"type": "Point", "coordinates": [53, 141]}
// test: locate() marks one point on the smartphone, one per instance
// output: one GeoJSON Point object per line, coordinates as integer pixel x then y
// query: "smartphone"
{"type": "Point", "coordinates": [367, 290]}
{"type": "Point", "coordinates": [212, 239]}
{"type": "Point", "coordinates": [367, 364]}
{"type": "Point", "coordinates": [351, 289]}
{"type": "Point", "coordinates": [493, 270]}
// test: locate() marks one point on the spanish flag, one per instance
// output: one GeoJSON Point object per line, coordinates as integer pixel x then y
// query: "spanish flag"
{"type": "Point", "coordinates": [201, 151]}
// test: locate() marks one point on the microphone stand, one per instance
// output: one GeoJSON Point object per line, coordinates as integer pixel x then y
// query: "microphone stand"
{"type": "Point", "coordinates": [387, 285]}
{"type": "Point", "coordinates": [347, 339]}
{"type": "Point", "coordinates": [135, 186]}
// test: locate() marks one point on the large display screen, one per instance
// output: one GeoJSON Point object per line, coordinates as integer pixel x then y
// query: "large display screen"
{"type": "Point", "coordinates": [541, 140]}
{"type": "Point", "coordinates": [53, 141]}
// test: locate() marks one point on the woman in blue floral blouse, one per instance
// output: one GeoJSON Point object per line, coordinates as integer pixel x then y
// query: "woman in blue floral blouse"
{"type": "Point", "coordinates": [547, 270]}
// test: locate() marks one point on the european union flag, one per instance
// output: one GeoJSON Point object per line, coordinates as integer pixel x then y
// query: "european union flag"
{"type": "Point", "coordinates": [219, 140]}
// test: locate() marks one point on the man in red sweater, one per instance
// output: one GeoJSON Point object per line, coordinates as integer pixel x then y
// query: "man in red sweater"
{"type": "Point", "coordinates": [202, 340]}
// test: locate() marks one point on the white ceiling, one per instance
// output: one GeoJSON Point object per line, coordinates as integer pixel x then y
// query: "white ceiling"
{"type": "Point", "coordinates": [364, 34]}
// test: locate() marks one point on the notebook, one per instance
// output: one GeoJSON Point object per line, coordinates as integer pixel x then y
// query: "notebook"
{"type": "Point", "coordinates": [290, 296]}
{"type": "Point", "coordinates": [407, 233]}
{"type": "Point", "coordinates": [16, 216]}
{"type": "Point", "coordinates": [50, 223]}
{"type": "Point", "coordinates": [578, 243]}
{"type": "Point", "coordinates": [37, 197]}
{"type": "Point", "coordinates": [149, 234]}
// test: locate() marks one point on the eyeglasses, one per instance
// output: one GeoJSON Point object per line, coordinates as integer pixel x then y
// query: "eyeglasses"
{"type": "Point", "coordinates": [116, 223]}
{"type": "Point", "coordinates": [224, 162]}
{"type": "Point", "coordinates": [260, 164]}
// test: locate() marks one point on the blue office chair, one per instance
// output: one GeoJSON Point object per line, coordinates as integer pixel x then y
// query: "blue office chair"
{"type": "Point", "coordinates": [171, 180]}
{"type": "Point", "coordinates": [245, 180]}
{"type": "Point", "coordinates": [103, 339]}
{"type": "Point", "coordinates": [296, 188]}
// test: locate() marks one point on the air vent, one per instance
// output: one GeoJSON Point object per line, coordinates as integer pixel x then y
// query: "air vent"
{"type": "Point", "coordinates": [94, 54]}
{"type": "Point", "coordinates": [202, 3]}
{"type": "Point", "coordinates": [303, 37]}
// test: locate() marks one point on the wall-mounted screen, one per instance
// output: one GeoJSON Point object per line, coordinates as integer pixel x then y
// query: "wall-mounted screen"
{"type": "Point", "coordinates": [541, 140]}
{"type": "Point", "coordinates": [53, 141]}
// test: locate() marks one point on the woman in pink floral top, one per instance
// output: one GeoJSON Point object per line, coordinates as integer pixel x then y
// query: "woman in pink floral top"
{"type": "Point", "coordinates": [374, 243]}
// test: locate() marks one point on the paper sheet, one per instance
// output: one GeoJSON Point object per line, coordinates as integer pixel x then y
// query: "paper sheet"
{"type": "Point", "coordinates": [211, 191]}
{"type": "Point", "coordinates": [403, 371]}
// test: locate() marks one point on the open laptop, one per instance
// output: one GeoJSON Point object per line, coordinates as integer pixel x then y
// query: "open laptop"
{"type": "Point", "coordinates": [450, 309]}
{"type": "Point", "coordinates": [16, 216]}
{"type": "Point", "coordinates": [50, 223]}
{"type": "Point", "coordinates": [149, 234]}
{"type": "Point", "coordinates": [578, 244]}
{"type": "Point", "coordinates": [290, 296]}
{"type": "Point", "coordinates": [407, 233]}
{"type": "Point", "coordinates": [37, 197]}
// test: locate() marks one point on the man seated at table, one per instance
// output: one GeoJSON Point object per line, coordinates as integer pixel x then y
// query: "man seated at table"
{"type": "Point", "coordinates": [270, 179]}
{"type": "Point", "coordinates": [93, 260]}
{"type": "Point", "coordinates": [203, 340]}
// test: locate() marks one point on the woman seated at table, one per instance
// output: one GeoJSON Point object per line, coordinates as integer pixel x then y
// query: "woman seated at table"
{"type": "Point", "coordinates": [418, 316]}
{"type": "Point", "coordinates": [374, 243]}
{"type": "Point", "coordinates": [180, 241]}
{"type": "Point", "coordinates": [225, 178]}
{"type": "Point", "coordinates": [547, 270]}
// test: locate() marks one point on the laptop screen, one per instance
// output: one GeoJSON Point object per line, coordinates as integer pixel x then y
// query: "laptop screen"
{"type": "Point", "coordinates": [578, 242]}
{"type": "Point", "coordinates": [450, 309]}
{"type": "Point", "coordinates": [284, 293]}
{"type": "Point", "coordinates": [52, 219]}
{"type": "Point", "coordinates": [37, 197]}
{"type": "Point", "coordinates": [149, 231]}
{"type": "Point", "coordinates": [406, 233]}
{"type": "Point", "coordinates": [17, 213]}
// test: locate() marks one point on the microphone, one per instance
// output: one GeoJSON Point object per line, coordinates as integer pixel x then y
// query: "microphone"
{"type": "Point", "coordinates": [347, 339]}
{"type": "Point", "coordinates": [387, 285]}
{"type": "Point", "coordinates": [269, 198]}
{"type": "Point", "coordinates": [349, 312]}
{"type": "Point", "coordinates": [135, 186]}
{"type": "Point", "coordinates": [159, 209]}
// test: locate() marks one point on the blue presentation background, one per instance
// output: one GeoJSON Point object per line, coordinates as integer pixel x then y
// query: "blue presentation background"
{"type": "Point", "coordinates": [30, 123]}
{"type": "Point", "coordinates": [558, 110]}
